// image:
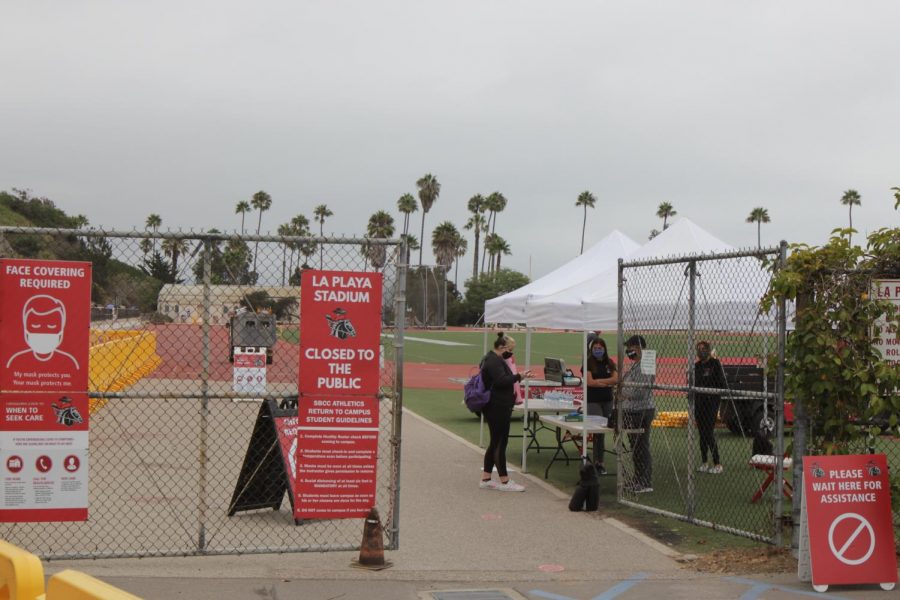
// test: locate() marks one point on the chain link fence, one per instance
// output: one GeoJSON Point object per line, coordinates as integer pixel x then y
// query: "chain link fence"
{"type": "Point", "coordinates": [718, 427]}
{"type": "Point", "coordinates": [169, 434]}
{"type": "Point", "coordinates": [426, 297]}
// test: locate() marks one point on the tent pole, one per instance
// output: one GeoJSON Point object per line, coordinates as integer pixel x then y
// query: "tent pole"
{"type": "Point", "coordinates": [584, 404]}
{"type": "Point", "coordinates": [527, 394]}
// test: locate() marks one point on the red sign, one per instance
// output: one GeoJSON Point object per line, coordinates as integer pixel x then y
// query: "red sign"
{"type": "Point", "coordinates": [340, 337]}
{"type": "Point", "coordinates": [848, 504]}
{"type": "Point", "coordinates": [286, 428]}
{"type": "Point", "coordinates": [337, 452]}
{"type": "Point", "coordinates": [44, 324]}
{"type": "Point", "coordinates": [44, 445]}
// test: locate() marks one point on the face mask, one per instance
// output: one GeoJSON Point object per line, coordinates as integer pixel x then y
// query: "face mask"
{"type": "Point", "coordinates": [598, 352]}
{"type": "Point", "coordinates": [703, 354]}
{"type": "Point", "coordinates": [632, 354]}
{"type": "Point", "coordinates": [506, 355]}
{"type": "Point", "coordinates": [43, 343]}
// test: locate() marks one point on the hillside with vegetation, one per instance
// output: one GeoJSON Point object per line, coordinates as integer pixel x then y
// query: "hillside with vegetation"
{"type": "Point", "coordinates": [114, 282]}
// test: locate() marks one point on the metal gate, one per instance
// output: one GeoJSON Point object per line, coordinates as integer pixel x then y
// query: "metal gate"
{"type": "Point", "coordinates": [674, 304]}
{"type": "Point", "coordinates": [168, 433]}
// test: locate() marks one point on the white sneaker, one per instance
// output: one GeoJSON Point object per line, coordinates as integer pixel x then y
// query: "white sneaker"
{"type": "Point", "coordinates": [489, 484]}
{"type": "Point", "coordinates": [510, 486]}
{"type": "Point", "coordinates": [716, 469]}
{"type": "Point", "coordinates": [704, 468]}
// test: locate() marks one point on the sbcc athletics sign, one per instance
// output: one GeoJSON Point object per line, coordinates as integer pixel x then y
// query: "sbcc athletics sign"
{"type": "Point", "coordinates": [337, 433]}
{"type": "Point", "coordinates": [848, 508]}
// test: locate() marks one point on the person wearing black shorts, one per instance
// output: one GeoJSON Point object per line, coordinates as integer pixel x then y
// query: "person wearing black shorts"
{"type": "Point", "coordinates": [601, 377]}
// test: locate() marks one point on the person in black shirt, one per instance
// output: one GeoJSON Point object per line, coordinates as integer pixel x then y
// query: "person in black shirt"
{"type": "Point", "coordinates": [499, 378]}
{"type": "Point", "coordinates": [708, 373]}
{"type": "Point", "coordinates": [601, 377]}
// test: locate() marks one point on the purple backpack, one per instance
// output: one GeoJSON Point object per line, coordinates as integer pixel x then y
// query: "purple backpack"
{"type": "Point", "coordinates": [477, 396]}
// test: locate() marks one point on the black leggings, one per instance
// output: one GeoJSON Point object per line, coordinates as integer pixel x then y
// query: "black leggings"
{"type": "Point", "coordinates": [498, 420]}
{"type": "Point", "coordinates": [706, 408]}
{"type": "Point", "coordinates": [603, 409]}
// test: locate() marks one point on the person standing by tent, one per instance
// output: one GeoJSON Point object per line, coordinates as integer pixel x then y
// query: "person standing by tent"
{"type": "Point", "coordinates": [500, 379]}
{"type": "Point", "coordinates": [601, 377]}
{"type": "Point", "coordinates": [638, 412]}
{"type": "Point", "coordinates": [708, 373]}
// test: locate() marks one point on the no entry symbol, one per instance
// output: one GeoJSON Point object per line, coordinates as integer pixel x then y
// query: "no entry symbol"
{"type": "Point", "coordinates": [841, 541]}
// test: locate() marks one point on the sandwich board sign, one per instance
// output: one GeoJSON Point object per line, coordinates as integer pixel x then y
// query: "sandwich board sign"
{"type": "Point", "coordinates": [846, 534]}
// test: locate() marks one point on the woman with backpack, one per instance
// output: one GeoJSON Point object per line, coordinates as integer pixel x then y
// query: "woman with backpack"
{"type": "Point", "coordinates": [500, 380]}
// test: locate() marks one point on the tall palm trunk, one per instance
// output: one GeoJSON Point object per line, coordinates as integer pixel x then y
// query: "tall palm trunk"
{"type": "Point", "coordinates": [759, 235]}
{"type": "Point", "coordinates": [422, 237]}
{"type": "Point", "coordinates": [583, 227]}
{"type": "Point", "coordinates": [475, 263]}
{"type": "Point", "coordinates": [256, 246]}
{"type": "Point", "coordinates": [850, 238]}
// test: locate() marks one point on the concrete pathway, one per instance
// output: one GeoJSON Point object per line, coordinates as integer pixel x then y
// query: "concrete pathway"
{"type": "Point", "coordinates": [455, 536]}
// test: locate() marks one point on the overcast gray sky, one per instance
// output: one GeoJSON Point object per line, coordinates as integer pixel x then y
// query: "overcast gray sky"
{"type": "Point", "coordinates": [118, 109]}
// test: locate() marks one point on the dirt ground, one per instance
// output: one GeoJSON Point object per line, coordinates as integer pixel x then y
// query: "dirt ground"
{"type": "Point", "coordinates": [743, 561]}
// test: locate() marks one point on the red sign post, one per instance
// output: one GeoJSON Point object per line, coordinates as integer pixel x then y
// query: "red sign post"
{"type": "Point", "coordinates": [337, 439]}
{"type": "Point", "coordinates": [45, 331]}
{"type": "Point", "coordinates": [848, 505]}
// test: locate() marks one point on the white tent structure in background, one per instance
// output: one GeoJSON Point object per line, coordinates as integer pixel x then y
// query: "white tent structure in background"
{"type": "Point", "coordinates": [511, 307]}
{"type": "Point", "coordinates": [593, 304]}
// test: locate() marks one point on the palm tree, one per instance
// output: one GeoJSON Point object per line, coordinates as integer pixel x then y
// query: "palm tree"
{"type": "Point", "coordinates": [496, 246]}
{"type": "Point", "coordinates": [477, 222]}
{"type": "Point", "coordinates": [444, 240]}
{"type": "Point", "coordinates": [429, 190]}
{"type": "Point", "coordinates": [653, 234]}
{"type": "Point", "coordinates": [173, 248]}
{"type": "Point", "coordinates": [262, 202]}
{"type": "Point", "coordinates": [300, 227]}
{"type": "Point", "coordinates": [851, 198]}
{"type": "Point", "coordinates": [412, 244]}
{"type": "Point", "coordinates": [758, 215]}
{"type": "Point", "coordinates": [381, 225]}
{"type": "Point", "coordinates": [494, 203]}
{"type": "Point", "coordinates": [242, 208]}
{"type": "Point", "coordinates": [462, 244]}
{"type": "Point", "coordinates": [153, 222]}
{"type": "Point", "coordinates": [146, 246]}
{"type": "Point", "coordinates": [587, 200]}
{"type": "Point", "coordinates": [665, 211]}
{"type": "Point", "coordinates": [285, 230]}
{"type": "Point", "coordinates": [321, 212]}
{"type": "Point", "coordinates": [407, 205]}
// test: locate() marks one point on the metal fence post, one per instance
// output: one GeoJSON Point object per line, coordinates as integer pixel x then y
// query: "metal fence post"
{"type": "Point", "coordinates": [397, 401]}
{"type": "Point", "coordinates": [692, 323]}
{"type": "Point", "coordinates": [781, 318]}
{"type": "Point", "coordinates": [620, 360]}
{"type": "Point", "coordinates": [204, 402]}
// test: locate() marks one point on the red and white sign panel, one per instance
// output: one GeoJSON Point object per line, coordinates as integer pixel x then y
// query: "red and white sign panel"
{"type": "Point", "coordinates": [44, 457]}
{"type": "Point", "coordinates": [249, 373]}
{"type": "Point", "coordinates": [340, 338]}
{"type": "Point", "coordinates": [848, 504]}
{"type": "Point", "coordinates": [286, 428]}
{"type": "Point", "coordinates": [337, 455]}
{"type": "Point", "coordinates": [45, 314]}
{"type": "Point", "coordinates": [889, 342]}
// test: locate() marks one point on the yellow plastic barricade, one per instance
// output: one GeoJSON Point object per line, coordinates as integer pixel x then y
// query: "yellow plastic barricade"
{"type": "Point", "coordinates": [75, 585]}
{"type": "Point", "coordinates": [21, 574]}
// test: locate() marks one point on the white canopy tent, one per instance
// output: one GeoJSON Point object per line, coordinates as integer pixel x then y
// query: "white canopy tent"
{"type": "Point", "coordinates": [510, 308]}
{"type": "Point", "coordinates": [593, 304]}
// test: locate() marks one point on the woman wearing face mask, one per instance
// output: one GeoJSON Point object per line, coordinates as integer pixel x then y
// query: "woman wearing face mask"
{"type": "Point", "coordinates": [708, 373]}
{"type": "Point", "coordinates": [638, 412]}
{"type": "Point", "coordinates": [500, 379]}
{"type": "Point", "coordinates": [601, 377]}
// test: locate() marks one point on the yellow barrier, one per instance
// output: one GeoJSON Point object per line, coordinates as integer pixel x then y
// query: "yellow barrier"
{"type": "Point", "coordinates": [119, 359]}
{"type": "Point", "coordinates": [75, 585]}
{"type": "Point", "coordinates": [21, 574]}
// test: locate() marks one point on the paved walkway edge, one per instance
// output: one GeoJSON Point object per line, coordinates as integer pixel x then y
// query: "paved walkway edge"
{"type": "Point", "coordinates": [641, 537]}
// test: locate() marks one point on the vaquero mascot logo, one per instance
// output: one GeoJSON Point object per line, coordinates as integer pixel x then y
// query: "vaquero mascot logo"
{"type": "Point", "coordinates": [339, 325]}
{"type": "Point", "coordinates": [43, 324]}
{"type": "Point", "coordinates": [66, 414]}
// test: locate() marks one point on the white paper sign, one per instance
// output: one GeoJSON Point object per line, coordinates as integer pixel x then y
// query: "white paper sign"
{"type": "Point", "coordinates": [648, 362]}
{"type": "Point", "coordinates": [249, 376]}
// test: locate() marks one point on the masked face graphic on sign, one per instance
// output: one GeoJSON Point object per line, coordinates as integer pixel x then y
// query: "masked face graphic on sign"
{"type": "Point", "coordinates": [43, 326]}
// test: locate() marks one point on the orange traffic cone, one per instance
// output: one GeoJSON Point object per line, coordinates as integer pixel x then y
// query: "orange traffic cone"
{"type": "Point", "coordinates": [371, 552]}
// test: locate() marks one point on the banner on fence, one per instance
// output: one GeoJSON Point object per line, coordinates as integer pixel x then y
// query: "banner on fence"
{"type": "Point", "coordinates": [45, 309]}
{"type": "Point", "coordinates": [848, 512]}
{"type": "Point", "coordinates": [889, 342]}
{"type": "Point", "coordinates": [337, 451]}
{"type": "Point", "coordinates": [44, 453]}
{"type": "Point", "coordinates": [340, 313]}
